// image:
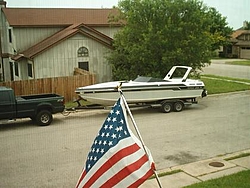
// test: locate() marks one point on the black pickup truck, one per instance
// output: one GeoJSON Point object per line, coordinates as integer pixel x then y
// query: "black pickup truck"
{"type": "Point", "coordinates": [37, 107]}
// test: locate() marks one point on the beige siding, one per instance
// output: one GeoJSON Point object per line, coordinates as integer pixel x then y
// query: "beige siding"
{"type": "Point", "coordinates": [245, 37]}
{"type": "Point", "coordinates": [6, 47]}
{"type": "Point", "coordinates": [245, 53]}
{"type": "Point", "coordinates": [62, 59]}
{"type": "Point", "coordinates": [109, 31]}
{"type": "Point", "coordinates": [4, 26]}
{"type": "Point", "coordinates": [26, 37]}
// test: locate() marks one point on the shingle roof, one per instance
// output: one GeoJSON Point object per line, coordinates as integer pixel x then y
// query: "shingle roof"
{"type": "Point", "coordinates": [27, 17]}
{"type": "Point", "coordinates": [235, 37]}
{"type": "Point", "coordinates": [240, 32]}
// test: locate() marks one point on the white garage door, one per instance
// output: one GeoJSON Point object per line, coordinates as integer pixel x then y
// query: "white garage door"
{"type": "Point", "coordinates": [245, 53]}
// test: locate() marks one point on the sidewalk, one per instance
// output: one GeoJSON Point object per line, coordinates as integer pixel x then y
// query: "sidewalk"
{"type": "Point", "coordinates": [201, 171]}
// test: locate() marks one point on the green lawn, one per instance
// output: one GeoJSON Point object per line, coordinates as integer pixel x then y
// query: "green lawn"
{"type": "Point", "coordinates": [238, 180]}
{"type": "Point", "coordinates": [244, 63]}
{"type": "Point", "coordinates": [226, 78]}
{"type": "Point", "coordinates": [219, 84]}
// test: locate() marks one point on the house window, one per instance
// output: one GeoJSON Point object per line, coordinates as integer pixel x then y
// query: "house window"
{"type": "Point", "coordinates": [229, 49]}
{"type": "Point", "coordinates": [30, 72]}
{"type": "Point", "coordinates": [83, 65]}
{"type": "Point", "coordinates": [83, 52]}
{"type": "Point", "coordinates": [11, 71]}
{"type": "Point", "coordinates": [10, 36]}
{"type": "Point", "coordinates": [16, 69]}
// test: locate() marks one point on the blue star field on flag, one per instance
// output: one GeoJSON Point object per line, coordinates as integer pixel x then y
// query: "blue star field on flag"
{"type": "Point", "coordinates": [113, 130]}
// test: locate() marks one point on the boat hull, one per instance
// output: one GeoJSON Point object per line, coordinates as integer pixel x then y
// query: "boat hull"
{"type": "Point", "coordinates": [145, 89]}
{"type": "Point", "coordinates": [107, 98]}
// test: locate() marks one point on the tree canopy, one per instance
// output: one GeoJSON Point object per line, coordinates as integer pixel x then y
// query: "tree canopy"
{"type": "Point", "coordinates": [246, 25]}
{"type": "Point", "coordinates": [159, 34]}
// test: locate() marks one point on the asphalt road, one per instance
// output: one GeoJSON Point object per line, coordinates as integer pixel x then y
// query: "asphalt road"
{"type": "Point", "coordinates": [218, 67]}
{"type": "Point", "coordinates": [53, 156]}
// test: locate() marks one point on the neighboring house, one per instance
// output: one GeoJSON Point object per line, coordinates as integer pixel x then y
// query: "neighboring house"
{"type": "Point", "coordinates": [240, 44]}
{"type": "Point", "coordinates": [51, 42]}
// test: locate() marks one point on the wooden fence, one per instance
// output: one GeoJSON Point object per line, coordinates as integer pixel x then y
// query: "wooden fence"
{"type": "Point", "coordinates": [64, 86]}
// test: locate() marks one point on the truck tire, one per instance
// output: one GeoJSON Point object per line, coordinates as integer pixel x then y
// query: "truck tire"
{"type": "Point", "coordinates": [44, 118]}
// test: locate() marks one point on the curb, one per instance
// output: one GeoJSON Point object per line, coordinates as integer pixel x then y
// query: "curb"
{"type": "Point", "coordinates": [204, 170]}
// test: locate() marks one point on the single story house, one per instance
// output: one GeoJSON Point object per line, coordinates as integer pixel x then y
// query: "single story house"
{"type": "Point", "coordinates": [51, 42]}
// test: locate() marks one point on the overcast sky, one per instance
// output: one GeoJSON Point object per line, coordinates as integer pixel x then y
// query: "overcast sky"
{"type": "Point", "coordinates": [236, 11]}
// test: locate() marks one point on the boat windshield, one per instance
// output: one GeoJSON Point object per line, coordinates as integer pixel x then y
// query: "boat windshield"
{"type": "Point", "coordinates": [148, 79]}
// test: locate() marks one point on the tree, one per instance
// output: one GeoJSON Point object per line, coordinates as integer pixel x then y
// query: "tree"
{"type": "Point", "coordinates": [159, 34]}
{"type": "Point", "coordinates": [246, 25]}
{"type": "Point", "coordinates": [219, 31]}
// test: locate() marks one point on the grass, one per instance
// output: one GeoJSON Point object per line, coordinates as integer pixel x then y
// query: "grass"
{"type": "Point", "coordinates": [166, 173]}
{"type": "Point", "coordinates": [244, 63]}
{"type": "Point", "coordinates": [219, 84]}
{"type": "Point", "coordinates": [238, 156]}
{"type": "Point", "coordinates": [226, 78]}
{"type": "Point", "coordinates": [240, 179]}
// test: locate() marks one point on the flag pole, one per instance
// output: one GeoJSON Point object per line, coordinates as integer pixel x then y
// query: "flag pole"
{"type": "Point", "coordinates": [137, 131]}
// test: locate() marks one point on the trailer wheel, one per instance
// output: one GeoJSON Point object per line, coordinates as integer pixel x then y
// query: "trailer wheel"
{"type": "Point", "coordinates": [178, 106]}
{"type": "Point", "coordinates": [166, 107]}
{"type": "Point", "coordinates": [44, 118]}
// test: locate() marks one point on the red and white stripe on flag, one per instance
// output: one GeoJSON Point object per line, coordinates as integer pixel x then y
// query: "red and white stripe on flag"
{"type": "Point", "coordinates": [122, 161]}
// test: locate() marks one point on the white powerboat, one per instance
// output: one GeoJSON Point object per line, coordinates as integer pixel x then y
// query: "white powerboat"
{"type": "Point", "coordinates": [147, 90]}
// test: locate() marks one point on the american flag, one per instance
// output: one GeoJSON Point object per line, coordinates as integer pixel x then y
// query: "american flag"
{"type": "Point", "coordinates": [116, 158]}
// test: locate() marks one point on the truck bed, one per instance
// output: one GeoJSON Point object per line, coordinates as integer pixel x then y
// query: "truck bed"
{"type": "Point", "coordinates": [29, 97]}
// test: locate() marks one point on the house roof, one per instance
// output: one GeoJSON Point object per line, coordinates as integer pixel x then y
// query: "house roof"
{"type": "Point", "coordinates": [62, 35]}
{"type": "Point", "coordinates": [235, 38]}
{"type": "Point", "coordinates": [33, 17]}
{"type": "Point", "coordinates": [72, 19]}
{"type": "Point", "coordinates": [239, 32]}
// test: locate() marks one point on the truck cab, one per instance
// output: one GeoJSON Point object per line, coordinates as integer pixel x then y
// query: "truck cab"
{"type": "Point", "coordinates": [7, 103]}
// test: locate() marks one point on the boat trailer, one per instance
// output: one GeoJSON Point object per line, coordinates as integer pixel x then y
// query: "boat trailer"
{"type": "Point", "coordinates": [165, 106]}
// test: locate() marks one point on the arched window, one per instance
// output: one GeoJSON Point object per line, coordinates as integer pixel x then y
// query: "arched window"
{"type": "Point", "coordinates": [83, 52]}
